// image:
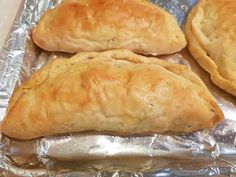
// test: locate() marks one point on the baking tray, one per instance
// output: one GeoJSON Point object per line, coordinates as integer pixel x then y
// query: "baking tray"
{"type": "Point", "coordinates": [202, 153]}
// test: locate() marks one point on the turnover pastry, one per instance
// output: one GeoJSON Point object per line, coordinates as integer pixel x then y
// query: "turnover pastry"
{"type": "Point", "coordinates": [211, 35]}
{"type": "Point", "coordinates": [115, 91]}
{"type": "Point", "coordinates": [98, 25]}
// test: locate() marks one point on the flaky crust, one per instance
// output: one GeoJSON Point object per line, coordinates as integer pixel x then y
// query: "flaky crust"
{"type": "Point", "coordinates": [211, 34]}
{"type": "Point", "coordinates": [97, 25]}
{"type": "Point", "coordinates": [115, 91]}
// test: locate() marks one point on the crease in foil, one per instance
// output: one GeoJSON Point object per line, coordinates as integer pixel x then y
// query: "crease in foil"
{"type": "Point", "coordinates": [203, 153]}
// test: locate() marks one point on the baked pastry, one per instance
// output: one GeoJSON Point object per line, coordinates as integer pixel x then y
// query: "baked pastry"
{"type": "Point", "coordinates": [98, 25]}
{"type": "Point", "coordinates": [211, 33]}
{"type": "Point", "coordinates": [115, 91]}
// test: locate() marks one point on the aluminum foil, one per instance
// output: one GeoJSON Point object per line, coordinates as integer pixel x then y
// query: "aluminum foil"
{"type": "Point", "coordinates": [203, 153]}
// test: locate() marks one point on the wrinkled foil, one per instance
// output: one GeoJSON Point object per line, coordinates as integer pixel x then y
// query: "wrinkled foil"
{"type": "Point", "coordinates": [203, 153]}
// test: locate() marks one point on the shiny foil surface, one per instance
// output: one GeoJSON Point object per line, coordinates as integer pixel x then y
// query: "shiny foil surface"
{"type": "Point", "coordinates": [202, 153]}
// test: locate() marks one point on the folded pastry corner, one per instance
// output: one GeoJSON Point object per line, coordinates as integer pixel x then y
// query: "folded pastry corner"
{"type": "Point", "coordinates": [99, 25]}
{"type": "Point", "coordinates": [115, 91]}
{"type": "Point", "coordinates": [210, 31]}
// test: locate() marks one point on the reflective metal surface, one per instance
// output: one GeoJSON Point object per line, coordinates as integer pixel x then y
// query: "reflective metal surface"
{"type": "Point", "coordinates": [203, 153]}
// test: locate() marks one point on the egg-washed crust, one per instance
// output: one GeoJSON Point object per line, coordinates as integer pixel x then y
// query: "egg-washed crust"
{"type": "Point", "coordinates": [210, 30]}
{"type": "Point", "coordinates": [98, 25]}
{"type": "Point", "coordinates": [115, 91]}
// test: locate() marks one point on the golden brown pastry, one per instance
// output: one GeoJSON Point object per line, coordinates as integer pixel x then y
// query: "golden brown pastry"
{"type": "Point", "coordinates": [116, 91]}
{"type": "Point", "coordinates": [98, 25]}
{"type": "Point", "coordinates": [211, 35]}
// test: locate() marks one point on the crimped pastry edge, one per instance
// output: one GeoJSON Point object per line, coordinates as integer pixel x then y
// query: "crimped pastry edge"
{"type": "Point", "coordinates": [200, 55]}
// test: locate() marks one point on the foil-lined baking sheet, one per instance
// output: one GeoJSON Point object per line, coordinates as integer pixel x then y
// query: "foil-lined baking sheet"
{"type": "Point", "coordinates": [203, 153]}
